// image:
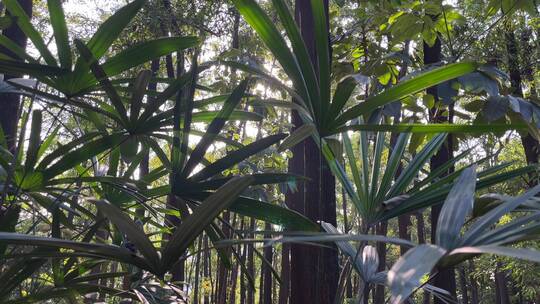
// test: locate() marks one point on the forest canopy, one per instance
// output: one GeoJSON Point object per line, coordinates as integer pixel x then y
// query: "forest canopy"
{"type": "Point", "coordinates": [269, 151]}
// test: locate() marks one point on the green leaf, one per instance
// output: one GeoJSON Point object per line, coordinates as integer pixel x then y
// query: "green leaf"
{"type": "Point", "coordinates": [146, 51]}
{"type": "Point", "coordinates": [492, 217]}
{"type": "Point", "coordinates": [64, 149]}
{"type": "Point", "coordinates": [208, 116]}
{"type": "Point", "coordinates": [301, 54]}
{"type": "Point", "coordinates": [81, 154]}
{"type": "Point", "coordinates": [16, 49]}
{"type": "Point", "coordinates": [214, 128]}
{"type": "Point", "coordinates": [326, 237]}
{"type": "Point", "coordinates": [15, 275]}
{"type": "Point", "coordinates": [102, 77]}
{"type": "Point", "coordinates": [105, 251]}
{"type": "Point", "coordinates": [366, 269]}
{"type": "Point", "coordinates": [259, 179]}
{"type": "Point", "coordinates": [236, 156]}
{"type": "Point", "coordinates": [357, 178]}
{"type": "Point", "coordinates": [406, 88]}
{"type": "Point", "coordinates": [58, 23]}
{"type": "Point", "coordinates": [170, 91]}
{"type": "Point", "coordinates": [436, 128]}
{"type": "Point", "coordinates": [322, 46]}
{"type": "Point", "coordinates": [414, 166]}
{"type": "Point", "coordinates": [457, 206]}
{"type": "Point", "coordinates": [70, 290]}
{"type": "Point", "coordinates": [519, 253]}
{"type": "Point", "coordinates": [134, 233]}
{"type": "Point", "coordinates": [297, 136]}
{"type": "Point", "coordinates": [103, 38]}
{"type": "Point", "coordinates": [23, 21]}
{"type": "Point", "coordinates": [392, 166]}
{"type": "Point", "coordinates": [47, 143]}
{"type": "Point", "coordinates": [406, 274]}
{"type": "Point", "coordinates": [343, 92]}
{"type": "Point", "coordinates": [137, 95]}
{"type": "Point", "coordinates": [201, 217]}
{"type": "Point", "coordinates": [287, 218]}
{"type": "Point", "coordinates": [33, 69]}
{"type": "Point", "coordinates": [35, 140]}
{"type": "Point", "coordinates": [109, 30]}
{"type": "Point", "coordinates": [255, 16]}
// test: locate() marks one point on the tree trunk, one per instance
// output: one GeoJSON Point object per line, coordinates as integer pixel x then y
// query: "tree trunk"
{"type": "Point", "coordinates": [250, 299]}
{"type": "Point", "coordinates": [266, 272]}
{"type": "Point", "coordinates": [421, 233]}
{"type": "Point", "coordinates": [207, 261]}
{"type": "Point", "coordinates": [501, 287]}
{"type": "Point", "coordinates": [223, 272]}
{"type": "Point", "coordinates": [243, 290]}
{"type": "Point", "coordinates": [314, 271]}
{"type": "Point", "coordinates": [446, 278]}
{"type": "Point", "coordinates": [530, 144]}
{"type": "Point", "coordinates": [463, 285]}
{"type": "Point", "coordinates": [475, 299]}
{"type": "Point", "coordinates": [9, 115]}
{"type": "Point", "coordinates": [234, 272]}
{"type": "Point", "coordinates": [10, 103]}
{"type": "Point", "coordinates": [382, 229]}
{"type": "Point", "coordinates": [285, 274]}
{"type": "Point", "coordinates": [196, 285]}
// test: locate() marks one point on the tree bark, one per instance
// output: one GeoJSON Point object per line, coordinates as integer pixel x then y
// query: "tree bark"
{"type": "Point", "coordinates": [284, 288]}
{"type": "Point", "coordinates": [9, 114]}
{"type": "Point", "coordinates": [446, 278]}
{"type": "Point", "coordinates": [223, 272]}
{"type": "Point", "coordinates": [475, 299]}
{"type": "Point", "coordinates": [196, 285]}
{"type": "Point", "coordinates": [463, 285]}
{"type": "Point", "coordinates": [314, 271]}
{"type": "Point", "coordinates": [10, 103]}
{"type": "Point", "coordinates": [501, 287]}
{"type": "Point", "coordinates": [421, 233]}
{"type": "Point", "coordinates": [266, 272]}
{"type": "Point", "coordinates": [530, 144]}
{"type": "Point", "coordinates": [382, 229]}
{"type": "Point", "coordinates": [250, 299]}
{"type": "Point", "coordinates": [207, 260]}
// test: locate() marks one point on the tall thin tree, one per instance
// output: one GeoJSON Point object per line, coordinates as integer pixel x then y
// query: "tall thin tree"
{"type": "Point", "coordinates": [314, 271]}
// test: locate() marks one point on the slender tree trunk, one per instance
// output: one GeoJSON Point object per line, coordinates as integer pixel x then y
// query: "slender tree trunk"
{"type": "Point", "coordinates": [475, 299]}
{"type": "Point", "coordinates": [144, 167]}
{"type": "Point", "coordinates": [346, 229]}
{"type": "Point", "coordinates": [207, 261]}
{"type": "Point", "coordinates": [250, 299]}
{"type": "Point", "coordinates": [234, 272]}
{"type": "Point", "coordinates": [266, 272]}
{"type": "Point", "coordinates": [382, 229]}
{"type": "Point", "coordinates": [314, 271]}
{"type": "Point", "coordinates": [501, 286]}
{"type": "Point", "coordinates": [530, 145]}
{"type": "Point", "coordinates": [243, 290]}
{"type": "Point", "coordinates": [421, 234]}
{"type": "Point", "coordinates": [446, 278]}
{"type": "Point", "coordinates": [223, 272]}
{"type": "Point", "coordinates": [404, 221]}
{"type": "Point", "coordinates": [196, 285]}
{"type": "Point", "coordinates": [10, 103]}
{"type": "Point", "coordinates": [285, 274]}
{"type": "Point", "coordinates": [9, 115]}
{"type": "Point", "coordinates": [463, 285]}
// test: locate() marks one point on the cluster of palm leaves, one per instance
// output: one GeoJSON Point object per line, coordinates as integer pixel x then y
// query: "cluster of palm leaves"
{"type": "Point", "coordinates": [129, 121]}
